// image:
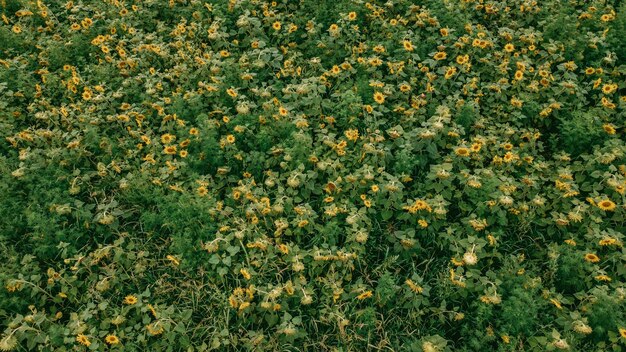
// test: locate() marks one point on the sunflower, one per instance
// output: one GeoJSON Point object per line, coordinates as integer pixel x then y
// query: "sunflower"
{"type": "Point", "coordinates": [379, 97]}
{"type": "Point", "coordinates": [245, 273]}
{"type": "Point", "coordinates": [450, 72]}
{"type": "Point", "coordinates": [170, 150]}
{"type": "Point", "coordinates": [276, 25]}
{"type": "Point", "coordinates": [154, 329]}
{"type": "Point", "coordinates": [202, 191]}
{"type": "Point", "coordinates": [413, 286]}
{"type": "Point", "coordinates": [607, 242]}
{"type": "Point", "coordinates": [379, 49]}
{"type": "Point", "coordinates": [609, 128]}
{"type": "Point", "coordinates": [509, 48]}
{"type": "Point", "coordinates": [364, 295]}
{"type": "Point", "coordinates": [83, 340]}
{"type": "Point", "coordinates": [462, 151]}
{"type": "Point", "coordinates": [375, 61]}
{"type": "Point", "coordinates": [407, 45]}
{"type": "Point", "coordinates": [462, 59]}
{"type": "Point", "coordinates": [352, 134]}
{"type": "Point", "coordinates": [231, 92]}
{"type": "Point", "coordinates": [592, 258]}
{"type": "Point", "coordinates": [609, 88]}
{"type": "Point", "coordinates": [8, 343]}
{"type": "Point", "coordinates": [556, 303]}
{"type": "Point", "coordinates": [352, 16]}
{"type": "Point", "coordinates": [476, 147]}
{"type": "Point", "coordinates": [622, 332]}
{"type": "Point", "coordinates": [440, 55]}
{"type": "Point", "coordinates": [519, 75]}
{"type": "Point", "coordinates": [590, 70]}
{"type": "Point", "coordinates": [111, 340]}
{"type": "Point", "coordinates": [606, 205]}
{"type": "Point", "coordinates": [167, 138]}
{"type": "Point", "coordinates": [130, 300]}
{"type": "Point", "coordinates": [516, 102]}
{"type": "Point", "coordinates": [283, 248]}
{"type": "Point", "coordinates": [508, 157]}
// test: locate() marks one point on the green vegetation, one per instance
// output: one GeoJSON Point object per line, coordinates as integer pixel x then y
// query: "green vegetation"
{"type": "Point", "coordinates": [244, 175]}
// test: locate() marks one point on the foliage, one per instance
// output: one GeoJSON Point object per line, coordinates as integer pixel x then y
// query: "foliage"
{"type": "Point", "coordinates": [239, 175]}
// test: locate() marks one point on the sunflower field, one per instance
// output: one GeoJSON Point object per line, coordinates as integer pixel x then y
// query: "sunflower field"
{"type": "Point", "coordinates": [312, 175]}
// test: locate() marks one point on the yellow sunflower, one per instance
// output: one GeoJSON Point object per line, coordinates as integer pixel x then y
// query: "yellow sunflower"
{"type": "Point", "coordinates": [462, 151]}
{"type": "Point", "coordinates": [440, 55]}
{"type": "Point", "coordinates": [130, 300]}
{"type": "Point", "coordinates": [379, 97]}
{"type": "Point", "coordinates": [606, 205]}
{"type": "Point", "coordinates": [111, 340]}
{"type": "Point", "coordinates": [609, 128]}
{"type": "Point", "coordinates": [83, 340]}
{"type": "Point", "coordinates": [170, 150]}
{"type": "Point", "coordinates": [167, 138]}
